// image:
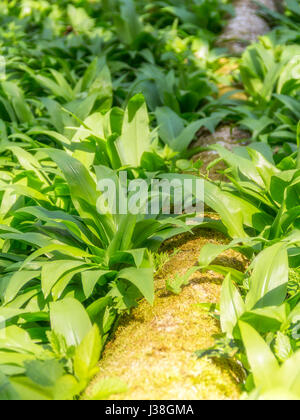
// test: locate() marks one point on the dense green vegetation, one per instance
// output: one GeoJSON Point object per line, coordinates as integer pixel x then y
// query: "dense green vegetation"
{"type": "Point", "coordinates": [90, 89]}
{"type": "Point", "coordinates": [259, 309]}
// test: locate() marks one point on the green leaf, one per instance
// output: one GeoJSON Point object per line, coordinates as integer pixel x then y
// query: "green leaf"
{"type": "Point", "coordinates": [268, 283]}
{"type": "Point", "coordinates": [237, 162]}
{"type": "Point", "coordinates": [15, 94]}
{"type": "Point", "coordinates": [210, 252]}
{"type": "Point", "coordinates": [127, 21]}
{"type": "Point", "coordinates": [283, 347]}
{"type": "Point", "coordinates": [232, 210]}
{"type": "Point", "coordinates": [135, 138]}
{"type": "Point", "coordinates": [261, 359]}
{"type": "Point", "coordinates": [170, 125]}
{"type": "Point", "coordinates": [17, 339]}
{"type": "Point", "coordinates": [87, 355]}
{"type": "Point", "coordinates": [16, 282]}
{"type": "Point", "coordinates": [236, 275]}
{"type": "Point", "coordinates": [188, 134]}
{"type": "Point", "coordinates": [27, 192]}
{"type": "Point", "coordinates": [90, 279]}
{"type": "Point", "coordinates": [175, 285]}
{"type": "Point", "coordinates": [265, 168]}
{"type": "Point", "coordinates": [30, 391]}
{"type": "Point", "coordinates": [289, 375]}
{"type": "Point", "coordinates": [7, 391]}
{"type": "Point", "coordinates": [232, 306]}
{"type": "Point", "coordinates": [83, 191]}
{"type": "Point", "coordinates": [54, 270]}
{"type": "Point", "coordinates": [265, 320]}
{"type": "Point", "coordinates": [66, 388]}
{"type": "Point", "coordinates": [58, 89]}
{"type": "Point", "coordinates": [44, 372]}
{"type": "Point", "coordinates": [106, 387]}
{"type": "Point", "coordinates": [15, 359]}
{"type": "Point", "coordinates": [80, 181]}
{"type": "Point", "coordinates": [69, 319]}
{"type": "Point", "coordinates": [279, 394]}
{"type": "Point", "coordinates": [79, 19]}
{"type": "Point", "coordinates": [142, 278]}
{"type": "Point", "coordinates": [64, 249]}
{"type": "Point", "coordinates": [8, 313]}
{"type": "Point", "coordinates": [172, 129]}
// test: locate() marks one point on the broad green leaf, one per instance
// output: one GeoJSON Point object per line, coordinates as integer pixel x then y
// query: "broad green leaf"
{"type": "Point", "coordinates": [87, 355]}
{"type": "Point", "coordinates": [16, 96]}
{"type": "Point", "coordinates": [142, 278]}
{"type": "Point", "coordinates": [69, 319]}
{"type": "Point", "coordinates": [268, 283]}
{"type": "Point", "coordinates": [30, 391]}
{"type": "Point", "coordinates": [106, 387]}
{"type": "Point", "coordinates": [7, 391]}
{"type": "Point", "coordinates": [83, 191]}
{"type": "Point", "coordinates": [236, 275]}
{"type": "Point", "coordinates": [170, 125]}
{"type": "Point", "coordinates": [32, 238]}
{"type": "Point", "coordinates": [16, 282]}
{"type": "Point", "coordinates": [44, 372]}
{"type": "Point", "coordinates": [245, 166]}
{"type": "Point", "coordinates": [185, 138]}
{"type": "Point", "coordinates": [8, 313]}
{"type": "Point", "coordinates": [279, 394]}
{"type": "Point", "coordinates": [265, 168]}
{"type": "Point", "coordinates": [231, 305]}
{"type": "Point", "coordinates": [135, 138]}
{"type": "Point", "coordinates": [54, 270]}
{"type": "Point", "coordinates": [79, 19]}
{"type": "Point", "coordinates": [210, 252]}
{"type": "Point", "coordinates": [90, 279]}
{"type": "Point", "coordinates": [64, 249]}
{"type": "Point", "coordinates": [15, 359]}
{"type": "Point", "coordinates": [229, 207]}
{"type": "Point", "coordinates": [27, 192]}
{"type": "Point", "coordinates": [66, 388]}
{"type": "Point", "coordinates": [265, 320]}
{"type": "Point", "coordinates": [289, 375]}
{"type": "Point", "coordinates": [263, 363]}
{"type": "Point", "coordinates": [60, 287]}
{"type": "Point", "coordinates": [80, 181]}
{"type": "Point", "coordinates": [127, 21]}
{"type": "Point", "coordinates": [55, 88]}
{"type": "Point", "coordinates": [17, 339]}
{"type": "Point", "coordinates": [283, 347]}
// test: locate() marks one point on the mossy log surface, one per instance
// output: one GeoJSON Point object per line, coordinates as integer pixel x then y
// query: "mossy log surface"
{"type": "Point", "coordinates": [247, 25]}
{"type": "Point", "coordinates": [152, 351]}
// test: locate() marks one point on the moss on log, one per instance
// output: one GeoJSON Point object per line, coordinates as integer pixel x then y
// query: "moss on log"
{"type": "Point", "coordinates": [153, 348]}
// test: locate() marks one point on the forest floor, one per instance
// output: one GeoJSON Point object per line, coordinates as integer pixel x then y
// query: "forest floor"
{"type": "Point", "coordinates": [153, 348]}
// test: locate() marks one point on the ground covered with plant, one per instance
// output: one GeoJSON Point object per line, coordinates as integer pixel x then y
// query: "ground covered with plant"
{"type": "Point", "coordinates": [98, 305]}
